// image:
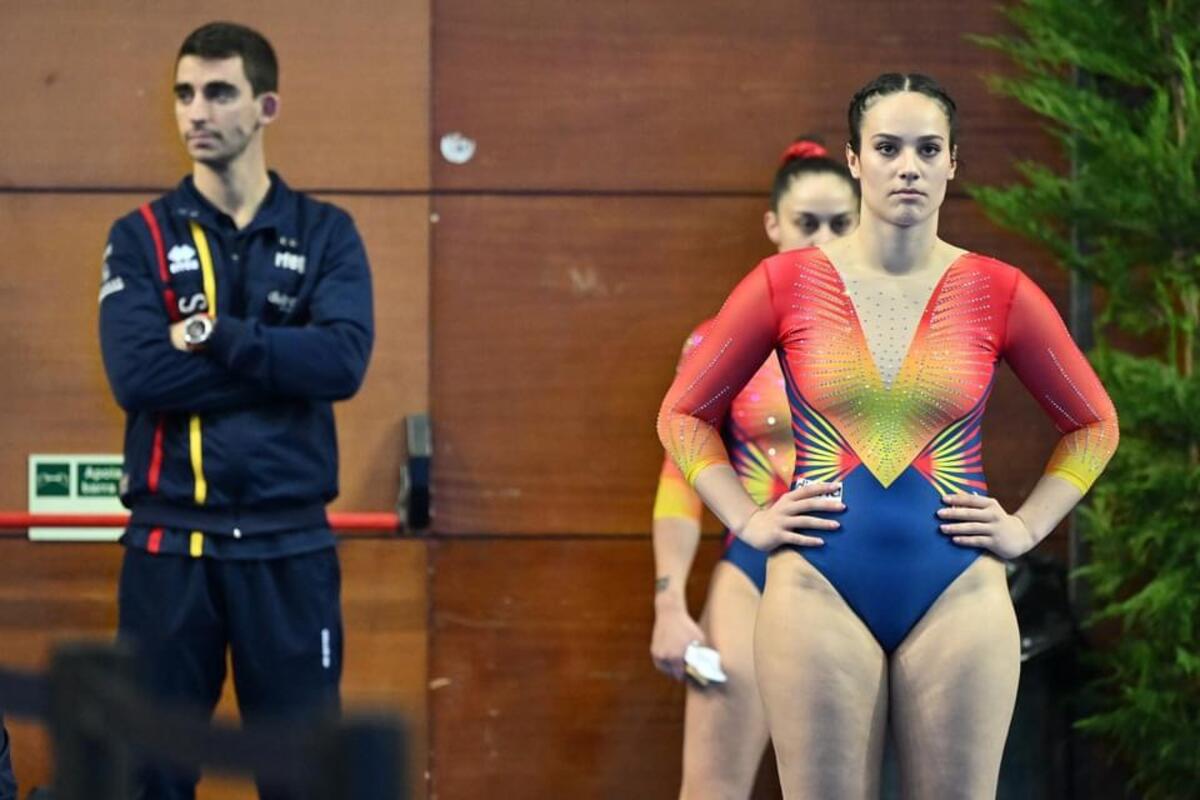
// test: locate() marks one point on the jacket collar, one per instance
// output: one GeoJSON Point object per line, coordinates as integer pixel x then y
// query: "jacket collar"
{"type": "Point", "coordinates": [188, 203]}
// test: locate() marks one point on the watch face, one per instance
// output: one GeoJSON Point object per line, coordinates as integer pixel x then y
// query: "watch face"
{"type": "Point", "coordinates": [197, 330]}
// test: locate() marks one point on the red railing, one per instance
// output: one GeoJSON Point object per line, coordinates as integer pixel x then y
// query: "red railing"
{"type": "Point", "coordinates": [339, 520]}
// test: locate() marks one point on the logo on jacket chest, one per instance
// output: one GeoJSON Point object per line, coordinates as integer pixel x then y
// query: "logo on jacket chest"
{"type": "Point", "coordinates": [284, 302]}
{"type": "Point", "coordinates": [289, 261]}
{"type": "Point", "coordinates": [182, 258]}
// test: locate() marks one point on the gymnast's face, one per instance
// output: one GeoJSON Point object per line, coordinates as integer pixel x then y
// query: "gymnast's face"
{"type": "Point", "coordinates": [815, 209]}
{"type": "Point", "coordinates": [216, 110]}
{"type": "Point", "coordinates": [905, 159]}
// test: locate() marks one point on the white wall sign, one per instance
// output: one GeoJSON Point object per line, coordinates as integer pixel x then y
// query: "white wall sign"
{"type": "Point", "coordinates": [75, 484]}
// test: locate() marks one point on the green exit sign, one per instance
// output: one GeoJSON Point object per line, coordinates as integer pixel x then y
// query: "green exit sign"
{"type": "Point", "coordinates": [52, 479]}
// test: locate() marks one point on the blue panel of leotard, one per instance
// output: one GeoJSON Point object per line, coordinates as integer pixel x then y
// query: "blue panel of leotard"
{"type": "Point", "coordinates": [889, 561]}
{"type": "Point", "coordinates": [749, 560]}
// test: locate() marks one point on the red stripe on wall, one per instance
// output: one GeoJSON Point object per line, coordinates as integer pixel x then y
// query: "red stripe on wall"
{"type": "Point", "coordinates": [160, 250]}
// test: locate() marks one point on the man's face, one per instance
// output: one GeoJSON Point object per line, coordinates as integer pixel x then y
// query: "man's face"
{"type": "Point", "coordinates": [216, 110]}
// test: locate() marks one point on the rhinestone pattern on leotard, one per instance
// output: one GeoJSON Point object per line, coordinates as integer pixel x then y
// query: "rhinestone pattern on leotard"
{"type": "Point", "coordinates": [924, 413]}
{"type": "Point", "coordinates": [940, 375]}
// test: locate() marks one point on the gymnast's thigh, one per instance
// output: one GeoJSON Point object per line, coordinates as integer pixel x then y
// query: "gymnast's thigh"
{"type": "Point", "coordinates": [823, 680]}
{"type": "Point", "coordinates": [725, 731]}
{"type": "Point", "coordinates": [954, 683]}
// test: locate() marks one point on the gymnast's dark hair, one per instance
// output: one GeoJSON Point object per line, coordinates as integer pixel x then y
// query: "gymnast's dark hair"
{"type": "Point", "coordinates": [807, 156]}
{"type": "Point", "coordinates": [228, 39]}
{"type": "Point", "coordinates": [890, 83]}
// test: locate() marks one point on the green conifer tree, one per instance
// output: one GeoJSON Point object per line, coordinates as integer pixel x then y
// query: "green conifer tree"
{"type": "Point", "coordinates": [1116, 82]}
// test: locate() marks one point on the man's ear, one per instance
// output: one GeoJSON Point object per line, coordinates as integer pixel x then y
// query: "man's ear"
{"type": "Point", "coordinates": [268, 104]}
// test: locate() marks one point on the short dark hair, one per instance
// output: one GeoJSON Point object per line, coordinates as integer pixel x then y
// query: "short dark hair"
{"type": "Point", "coordinates": [807, 156]}
{"type": "Point", "coordinates": [890, 83]}
{"type": "Point", "coordinates": [228, 39]}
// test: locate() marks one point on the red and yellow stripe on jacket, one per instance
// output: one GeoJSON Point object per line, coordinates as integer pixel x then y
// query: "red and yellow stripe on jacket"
{"type": "Point", "coordinates": [195, 425]}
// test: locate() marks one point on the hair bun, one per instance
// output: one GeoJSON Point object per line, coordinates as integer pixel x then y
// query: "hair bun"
{"type": "Point", "coordinates": [804, 148]}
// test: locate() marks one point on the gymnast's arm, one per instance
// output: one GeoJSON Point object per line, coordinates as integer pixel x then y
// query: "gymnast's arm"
{"type": "Point", "coordinates": [676, 535]}
{"type": "Point", "coordinates": [740, 339]}
{"type": "Point", "coordinates": [1047, 361]}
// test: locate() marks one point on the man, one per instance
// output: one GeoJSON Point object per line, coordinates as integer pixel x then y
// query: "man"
{"type": "Point", "coordinates": [233, 311]}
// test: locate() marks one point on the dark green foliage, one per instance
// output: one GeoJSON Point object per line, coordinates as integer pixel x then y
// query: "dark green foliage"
{"type": "Point", "coordinates": [1116, 82]}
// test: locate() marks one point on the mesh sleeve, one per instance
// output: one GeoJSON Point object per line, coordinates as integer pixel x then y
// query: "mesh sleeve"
{"type": "Point", "coordinates": [741, 337]}
{"type": "Point", "coordinates": [1046, 359]}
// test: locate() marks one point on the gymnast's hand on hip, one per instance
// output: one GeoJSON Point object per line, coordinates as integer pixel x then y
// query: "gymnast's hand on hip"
{"type": "Point", "coordinates": [978, 521]}
{"type": "Point", "coordinates": [776, 525]}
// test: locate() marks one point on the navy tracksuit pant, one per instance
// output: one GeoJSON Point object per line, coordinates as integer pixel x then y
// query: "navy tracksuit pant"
{"type": "Point", "coordinates": [280, 619]}
{"type": "Point", "coordinates": [8, 783]}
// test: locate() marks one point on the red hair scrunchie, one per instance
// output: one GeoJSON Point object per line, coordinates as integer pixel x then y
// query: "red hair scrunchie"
{"type": "Point", "coordinates": [803, 149]}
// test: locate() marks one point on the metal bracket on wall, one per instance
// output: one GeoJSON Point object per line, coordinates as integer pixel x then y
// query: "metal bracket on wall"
{"type": "Point", "coordinates": [413, 503]}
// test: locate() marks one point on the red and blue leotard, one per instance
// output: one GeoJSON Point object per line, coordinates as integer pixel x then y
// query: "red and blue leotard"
{"type": "Point", "coordinates": [899, 447]}
{"type": "Point", "coordinates": [758, 438]}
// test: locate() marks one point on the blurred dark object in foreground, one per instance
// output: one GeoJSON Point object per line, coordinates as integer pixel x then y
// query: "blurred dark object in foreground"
{"type": "Point", "coordinates": [103, 727]}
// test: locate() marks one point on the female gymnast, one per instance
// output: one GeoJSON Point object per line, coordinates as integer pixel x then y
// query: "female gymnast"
{"type": "Point", "coordinates": [886, 600]}
{"type": "Point", "coordinates": [813, 201]}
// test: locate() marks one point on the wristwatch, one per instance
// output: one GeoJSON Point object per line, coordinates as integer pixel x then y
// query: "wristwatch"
{"type": "Point", "coordinates": [197, 330]}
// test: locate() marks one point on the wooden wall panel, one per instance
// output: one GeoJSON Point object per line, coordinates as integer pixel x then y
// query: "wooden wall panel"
{"type": "Point", "coordinates": [557, 325]}
{"type": "Point", "coordinates": [90, 91]}
{"type": "Point", "coordinates": [386, 613]}
{"type": "Point", "coordinates": [58, 399]}
{"type": "Point", "coordinates": [371, 425]}
{"type": "Point", "coordinates": [55, 592]}
{"type": "Point", "coordinates": [693, 94]}
{"type": "Point", "coordinates": [540, 673]}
